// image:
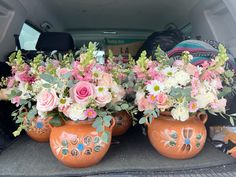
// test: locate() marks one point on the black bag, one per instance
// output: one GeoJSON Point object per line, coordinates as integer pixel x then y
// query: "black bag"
{"type": "Point", "coordinates": [166, 39]}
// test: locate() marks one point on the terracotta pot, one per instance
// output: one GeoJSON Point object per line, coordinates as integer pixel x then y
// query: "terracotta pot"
{"type": "Point", "coordinates": [78, 145]}
{"type": "Point", "coordinates": [123, 123]}
{"type": "Point", "coordinates": [3, 94]}
{"type": "Point", "coordinates": [176, 139]}
{"type": "Point", "coordinates": [39, 130]}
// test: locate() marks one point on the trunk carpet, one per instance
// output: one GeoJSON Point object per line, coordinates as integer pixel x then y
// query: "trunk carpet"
{"type": "Point", "coordinates": [134, 153]}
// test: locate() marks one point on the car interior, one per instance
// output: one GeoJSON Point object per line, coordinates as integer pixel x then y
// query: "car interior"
{"type": "Point", "coordinates": [125, 27]}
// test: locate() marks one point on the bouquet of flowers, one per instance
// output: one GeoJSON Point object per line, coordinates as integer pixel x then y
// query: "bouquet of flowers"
{"type": "Point", "coordinates": [70, 88]}
{"type": "Point", "coordinates": [182, 88]}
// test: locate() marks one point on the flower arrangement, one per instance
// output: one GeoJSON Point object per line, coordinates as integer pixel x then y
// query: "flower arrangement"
{"type": "Point", "coordinates": [70, 88]}
{"type": "Point", "coordinates": [180, 87]}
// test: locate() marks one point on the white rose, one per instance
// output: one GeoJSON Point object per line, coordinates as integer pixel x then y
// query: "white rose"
{"type": "Point", "coordinates": [204, 99]}
{"type": "Point", "coordinates": [102, 100]}
{"type": "Point", "coordinates": [180, 113]}
{"type": "Point", "coordinates": [182, 77]}
{"type": "Point", "coordinates": [118, 92]}
{"type": "Point", "coordinates": [76, 112]}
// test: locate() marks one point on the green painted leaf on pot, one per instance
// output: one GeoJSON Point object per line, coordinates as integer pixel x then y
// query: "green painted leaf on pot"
{"type": "Point", "coordinates": [105, 137]}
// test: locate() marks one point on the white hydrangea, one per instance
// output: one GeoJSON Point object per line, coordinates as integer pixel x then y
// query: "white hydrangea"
{"type": "Point", "coordinates": [76, 112]}
{"type": "Point", "coordinates": [203, 100]}
{"type": "Point", "coordinates": [180, 113]}
{"type": "Point", "coordinates": [182, 77]}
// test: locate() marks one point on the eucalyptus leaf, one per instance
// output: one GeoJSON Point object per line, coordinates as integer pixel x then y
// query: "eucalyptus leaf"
{"type": "Point", "coordinates": [143, 120]}
{"type": "Point", "coordinates": [231, 119]}
{"type": "Point", "coordinates": [55, 121]}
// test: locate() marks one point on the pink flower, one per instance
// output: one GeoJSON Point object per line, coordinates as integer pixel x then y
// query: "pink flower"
{"type": "Point", "coordinates": [47, 100]}
{"type": "Point", "coordinates": [106, 80]}
{"type": "Point", "coordinates": [151, 99]}
{"type": "Point", "coordinates": [82, 92]}
{"type": "Point", "coordinates": [23, 76]}
{"type": "Point", "coordinates": [62, 71]}
{"type": "Point", "coordinates": [55, 63]}
{"type": "Point", "coordinates": [191, 69]}
{"type": "Point", "coordinates": [102, 100]}
{"type": "Point", "coordinates": [143, 105]}
{"type": "Point", "coordinates": [219, 105]}
{"type": "Point", "coordinates": [193, 107]}
{"type": "Point", "coordinates": [81, 73]}
{"type": "Point", "coordinates": [16, 100]}
{"type": "Point", "coordinates": [41, 69]}
{"type": "Point", "coordinates": [195, 85]}
{"type": "Point", "coordinates": [10, 82]}
{"type": "Point", "coordinates": [90, 113]}
{"type": "Point", "coordinates": [161, 99]}
{"type": "Point", "coordinates": [139, 73]}
{"type": "Point", "coordinates": [178, 63]}
{"type": "Point", "coordinates": [155, 75]}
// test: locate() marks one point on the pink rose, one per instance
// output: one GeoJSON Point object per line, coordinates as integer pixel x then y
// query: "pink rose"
{"type": "Point", "coordinates": [82, 91]}
{"type": "Point", "coordinates": [102, 100]}
{"type": "Point", "coordinates": [143, 104]}
{"type": "Point", "coordinates": [47, 100]}
{"type": "Point", "coordinates": [161, 99]}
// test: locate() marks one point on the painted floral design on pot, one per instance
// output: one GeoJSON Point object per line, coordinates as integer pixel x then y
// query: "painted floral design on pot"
{"type": "Point", "coordinates": [39, 129]}
{"type": "Point", "coordinates": [176, 139]}
{"type": "Point", "coordinates": [78, 145]}
{"type": "Point", "coordinates": [123, 123]}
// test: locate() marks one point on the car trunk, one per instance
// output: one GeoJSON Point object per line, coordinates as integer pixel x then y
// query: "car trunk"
{"type": "Point", "coordinates": [132, 153]}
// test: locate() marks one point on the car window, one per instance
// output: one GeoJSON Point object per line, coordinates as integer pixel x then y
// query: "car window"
{"type": "Point", "coordinates": [28, 37]}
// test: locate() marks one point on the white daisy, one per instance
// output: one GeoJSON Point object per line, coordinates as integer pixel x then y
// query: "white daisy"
{"type": "Point", "coordinates": [101, 90]}
{"type": "Point", "coordinates": [155, 87]}
{"type": "Point", "coordinates": [169, 71]}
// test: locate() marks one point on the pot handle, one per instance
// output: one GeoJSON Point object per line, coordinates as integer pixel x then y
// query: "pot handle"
{"type": "Point", "coordinates": [112, 123]}
{"type": "Point", "coordinates": [202, 116]}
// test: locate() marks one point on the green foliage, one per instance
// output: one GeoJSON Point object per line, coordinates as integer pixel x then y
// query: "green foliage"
{"type": "Point", "coordinates": [36, 61]}
{"type": "Point", "coordinates": [89, 55]}
{"type": "Point", "coordinates": [162, 57]}
{"type": "Point", "coordinates": [143, 61]}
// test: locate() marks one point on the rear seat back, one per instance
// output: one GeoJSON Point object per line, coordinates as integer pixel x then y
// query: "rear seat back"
{"type": "Point", "coordinates": [50, 41]}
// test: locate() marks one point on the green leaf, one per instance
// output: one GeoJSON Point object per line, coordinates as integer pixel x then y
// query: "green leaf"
{"type": "Point", "coordinates": [98, 124]}
{"type": "Point", "coordinates": [105, 137]}
{"type": "Point", "coordinates": [48, 78]}
{"type": "Point", "coordinates": [16, 133]}
{"type": "Point", "coordinates": [66, 76]}
{"type": "Point", "coordinates": [229, 73]}
{"type": "Point", "coordinates": [70, 84]}
{"type": "Point", "coordinates": [107, 121]}
{"type": "Point", "coordinates": [55, 121]}
{"type": "Point", "coordinates": [46, 85]}
{"type": "Point", "coordinates": [32, 113]}
{"type": "Point", "coordinates": [124, 106]}
{"type": "Point", "coordinates": [117, 108]}
{"type": "Point", "coordinates": [143, 120]}
{"type": "Point", "coordinates": [234, 114]}
{"type": "Point", "coordinates": [23, 102]}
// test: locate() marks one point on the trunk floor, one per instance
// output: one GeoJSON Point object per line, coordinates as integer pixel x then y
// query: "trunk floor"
{"type": "Point", "coordinates": [134, 153]}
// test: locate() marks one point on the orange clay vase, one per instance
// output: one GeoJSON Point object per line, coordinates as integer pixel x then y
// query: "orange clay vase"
{"type": "Point", "coordinates": [123, 123]}
{"type": "Point", "coordinates": [78, 145]}
{"type": "Point", "coordinates": [176, 139]}
{"type": "Point", "coordinates": [39, 130]}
